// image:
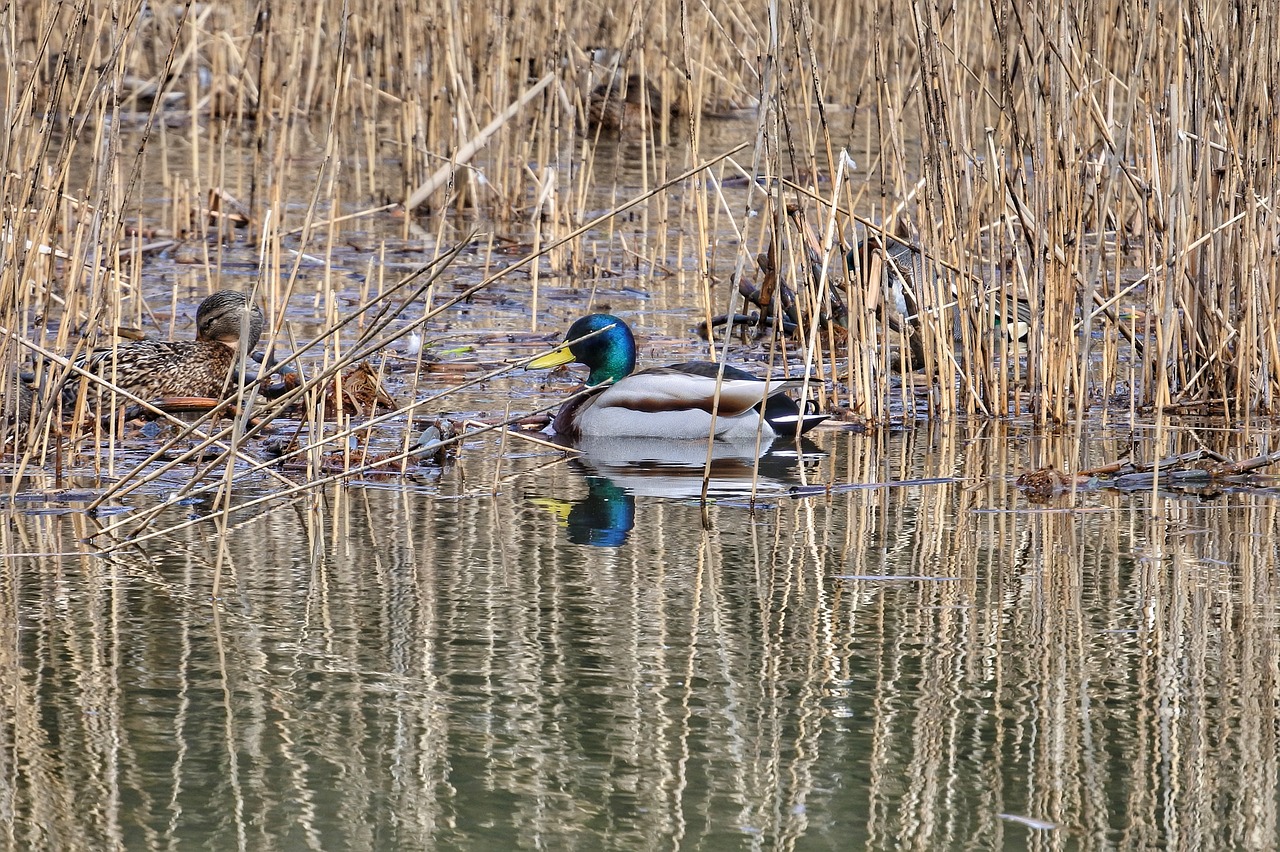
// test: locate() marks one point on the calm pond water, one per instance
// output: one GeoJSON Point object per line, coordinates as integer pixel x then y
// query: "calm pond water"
{"type": "Point", "coordinates": [874, 641]}
{"type": "Point", "coordinates": [528, 652]}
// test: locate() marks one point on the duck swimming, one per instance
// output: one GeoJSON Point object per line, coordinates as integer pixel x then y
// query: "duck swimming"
{"type": "Point", "coordinates": [204, 367]}
{"type": "Point", "coordinates": [673, 402]}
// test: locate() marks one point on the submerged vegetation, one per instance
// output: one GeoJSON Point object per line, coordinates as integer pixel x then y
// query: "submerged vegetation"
{"type": "Point", "coordinates": [1108, 170]}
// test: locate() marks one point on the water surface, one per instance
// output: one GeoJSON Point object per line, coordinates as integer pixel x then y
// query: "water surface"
{"type": "Point", "coordinates": [923, 661]}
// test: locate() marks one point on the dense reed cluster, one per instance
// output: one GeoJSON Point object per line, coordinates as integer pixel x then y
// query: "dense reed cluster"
{"type": "Point", "coordinates": [1110, 168]}
{"type": "Point", "coordinates": [1074, 204]}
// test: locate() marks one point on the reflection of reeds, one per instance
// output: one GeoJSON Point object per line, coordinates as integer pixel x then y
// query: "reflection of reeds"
{"type": "Point", "coordinates": [429, 664]}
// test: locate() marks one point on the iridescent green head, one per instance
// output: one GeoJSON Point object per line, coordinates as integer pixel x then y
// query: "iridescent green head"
{"type": "Point", "coordinates": [602, 342]}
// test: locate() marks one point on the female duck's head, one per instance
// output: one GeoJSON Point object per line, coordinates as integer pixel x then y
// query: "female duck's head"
{"type": "Point", "coordinates": [602, 342]}
{"type": "Point", "coordinates": [221, 318]}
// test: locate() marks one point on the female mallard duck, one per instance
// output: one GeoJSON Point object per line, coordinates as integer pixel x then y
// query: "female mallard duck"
{"type": "Point", "coordinates": [626, 103]}
{"type": "Point", "coordinates": [16, 405]}
{"type": "Point", "coordinates": [204, 367]}
{"type": "Point", "coordinates": [672, 402]}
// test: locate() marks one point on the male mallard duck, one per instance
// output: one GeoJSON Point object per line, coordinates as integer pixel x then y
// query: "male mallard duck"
{"type": "Point", "coordinates": [672, 402]}
{"type": "Point", "coordinates": [903, 272]}
{"type": "Point", "coordinates": [204, 367]}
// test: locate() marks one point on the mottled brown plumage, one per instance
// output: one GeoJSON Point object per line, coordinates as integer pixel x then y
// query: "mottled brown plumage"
{"type": "Point", "coordinates": [623, 104]}
{"type": "Point", "coordinates": [15, 412]}
{"type": "Point", "coordinates": [205, 367]}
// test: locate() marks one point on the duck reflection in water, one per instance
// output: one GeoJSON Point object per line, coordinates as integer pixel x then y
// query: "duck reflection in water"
{"type": "Point", "coordinates": [617, 471]}
{"type": "Point", "coordinates": [603, 518]}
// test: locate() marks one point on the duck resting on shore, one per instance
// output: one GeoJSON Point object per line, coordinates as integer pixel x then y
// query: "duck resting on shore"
{"type": "Point", "coordinates": [674, 402]}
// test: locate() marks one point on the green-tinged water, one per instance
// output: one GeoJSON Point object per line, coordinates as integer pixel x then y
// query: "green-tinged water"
{"type": "Point", "coordinates": [534, 654]}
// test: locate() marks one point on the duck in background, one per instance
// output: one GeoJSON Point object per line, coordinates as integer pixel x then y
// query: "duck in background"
{"type": "Point", "coordinates": [626, 103]}
{"type": "Point", "coordinates": [226, 325]}
{"type": "Point", "coordinates": [673, 402]}
{"type": "Point", "coordinates": [16, 404]}
{"type": "Point", "coordinates": [903, 271]}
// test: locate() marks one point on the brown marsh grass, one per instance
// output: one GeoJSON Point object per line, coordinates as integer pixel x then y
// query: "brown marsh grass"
{"type": "Point", "coordinates": [1114, 164]}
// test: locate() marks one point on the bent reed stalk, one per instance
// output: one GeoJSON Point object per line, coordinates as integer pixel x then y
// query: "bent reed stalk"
{"type": "Point", "coordinates": [1114, 166]}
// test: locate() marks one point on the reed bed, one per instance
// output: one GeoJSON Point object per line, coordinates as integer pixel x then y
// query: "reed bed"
{"type": "Point", "coordinates": [1112, 165]}
{"type": "Point", "coordinates": [368, 169]}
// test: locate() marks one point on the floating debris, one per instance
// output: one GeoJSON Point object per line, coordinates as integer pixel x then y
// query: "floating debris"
{"type": "Point", "coordinates": [1030, 822]}
{"type": "Point", "coordinates": [1044, 482]}
{"type": "Point", "coordinates": [1199, 470]}
{"type": "Point", "coordinates": [437, 443]}
{"type": "Point", "coordinates": [361, 392]}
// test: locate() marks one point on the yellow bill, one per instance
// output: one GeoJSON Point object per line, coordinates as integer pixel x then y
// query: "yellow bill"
{"type": "Point", "coordinates": [554, 358]}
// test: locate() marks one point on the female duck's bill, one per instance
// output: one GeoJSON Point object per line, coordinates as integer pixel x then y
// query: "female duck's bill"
{"type": "Point", "coordinates": [676, 402]}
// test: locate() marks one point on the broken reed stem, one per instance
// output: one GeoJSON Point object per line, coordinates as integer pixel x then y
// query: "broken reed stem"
{"type": "Point", "coordinates": [141, 519]}
{"type": "Point", "coordinates": [446, 173]}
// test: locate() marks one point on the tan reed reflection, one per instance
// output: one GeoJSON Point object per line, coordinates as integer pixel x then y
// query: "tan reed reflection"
{"type": "Point", "coordinates": [898, 665]}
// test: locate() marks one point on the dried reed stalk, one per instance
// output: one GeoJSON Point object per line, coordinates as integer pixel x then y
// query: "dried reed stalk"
{"type": "Point", "coordinates": [1117, 171]}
